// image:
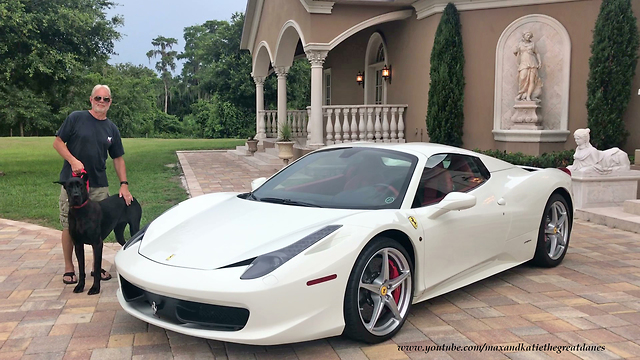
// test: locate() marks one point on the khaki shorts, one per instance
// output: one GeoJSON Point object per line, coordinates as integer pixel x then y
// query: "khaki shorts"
{"type": "Point", "coordinates": [95, 194]}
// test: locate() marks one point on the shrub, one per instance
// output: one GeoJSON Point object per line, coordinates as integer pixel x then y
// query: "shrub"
{"type": "Point", "coordinates": [614, 54]}
{"type": "Point", "coordinates": [546, 160]}
{"type": "Point", "coordinates": [445, 116]}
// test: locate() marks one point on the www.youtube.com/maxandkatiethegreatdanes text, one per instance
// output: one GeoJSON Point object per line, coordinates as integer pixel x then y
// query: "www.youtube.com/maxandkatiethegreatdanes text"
{"type": "Point", "coordinates": [502, 348]}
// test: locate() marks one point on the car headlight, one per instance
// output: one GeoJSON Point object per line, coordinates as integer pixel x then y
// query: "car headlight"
{"type": "Point", "coordinates": [137, 237]}
{"type": "Point", "coordinates": [266, 263]}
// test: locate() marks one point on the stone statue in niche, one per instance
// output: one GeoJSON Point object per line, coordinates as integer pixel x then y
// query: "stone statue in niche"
{"type": "Point", "coordinates": [529, 83]}
{"type": "Point", "coordinates": [589, 160]}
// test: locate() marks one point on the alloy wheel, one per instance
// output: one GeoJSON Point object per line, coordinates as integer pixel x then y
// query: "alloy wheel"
{"type": "Point", "coordinates": [556, 230]}
{"type": "Point", "coordinates": [385, 291]}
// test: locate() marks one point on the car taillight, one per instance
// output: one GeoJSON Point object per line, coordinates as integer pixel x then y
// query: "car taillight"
{"type": "Point", "coordinates": [565, 170]}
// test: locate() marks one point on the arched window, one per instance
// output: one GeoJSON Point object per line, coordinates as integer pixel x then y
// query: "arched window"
{"type": "Point", "coordinates": [380, 56]}
{"type": "Point", "coordinates": [375, 91]}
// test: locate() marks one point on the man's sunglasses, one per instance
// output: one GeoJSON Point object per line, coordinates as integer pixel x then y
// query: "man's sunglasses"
{"type": "Point", "coordinates": [99, 98]}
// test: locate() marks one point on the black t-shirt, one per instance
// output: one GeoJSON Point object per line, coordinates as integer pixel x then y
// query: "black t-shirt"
{"type": "Point", "coordinates": [89, 140]}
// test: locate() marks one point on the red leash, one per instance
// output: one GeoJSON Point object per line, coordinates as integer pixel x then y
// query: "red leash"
{"type": "Point", "coordinates": [84, 176]}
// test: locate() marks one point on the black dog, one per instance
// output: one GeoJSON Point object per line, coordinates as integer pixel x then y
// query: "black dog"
{"type": "Point", "coordinates": [90, 222]}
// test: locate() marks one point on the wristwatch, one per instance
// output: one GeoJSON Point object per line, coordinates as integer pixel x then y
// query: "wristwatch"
{"type": "Point", "coordinates": [124, 182]}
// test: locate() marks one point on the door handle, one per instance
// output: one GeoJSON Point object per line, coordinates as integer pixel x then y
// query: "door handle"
{"type": "Point", "coordinates": [502, 201]}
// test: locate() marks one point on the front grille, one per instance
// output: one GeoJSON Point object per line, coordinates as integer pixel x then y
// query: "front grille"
{"type": "Point", "coordinates": [213, 317]}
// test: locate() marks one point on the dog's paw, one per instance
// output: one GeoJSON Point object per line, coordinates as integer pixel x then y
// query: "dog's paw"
{"type": "Point", "coordinates": [94, 290]}
{"type": "Point", "coordinates": [79, 288]}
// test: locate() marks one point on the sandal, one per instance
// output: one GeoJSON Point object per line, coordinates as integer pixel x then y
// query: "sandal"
{"type": "Point", "coordinates": [104, 275]}
{"type": "Point", "coordinates": [72, 275]}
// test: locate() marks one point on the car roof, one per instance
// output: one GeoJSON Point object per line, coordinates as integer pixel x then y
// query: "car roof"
{"type": "Point", "coordinates": [429, 149]}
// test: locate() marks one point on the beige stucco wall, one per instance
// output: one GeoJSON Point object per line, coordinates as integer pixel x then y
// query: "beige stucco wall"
{"type": "Point", "coordinates": [410, 42]}
{"type": "Point", "coordinates": [409, 46]}
{"type": "Point", "coordinates": [316, 28]}
{"type": "Point", "coordinates": [275, 13]}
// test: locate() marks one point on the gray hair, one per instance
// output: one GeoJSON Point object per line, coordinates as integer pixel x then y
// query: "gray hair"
{"type": "Point", "coordinates": [95, 88]}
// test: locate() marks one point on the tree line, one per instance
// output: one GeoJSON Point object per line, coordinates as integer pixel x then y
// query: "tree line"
{"type": "Point", "coordinates": [52, 53]}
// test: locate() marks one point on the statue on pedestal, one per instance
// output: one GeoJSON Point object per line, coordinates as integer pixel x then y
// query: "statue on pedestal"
{"type": "Point", "coordinates": [589, 160]}
{"type": "Point", "coordinates": [529, 83]}
{"type": "Point", "coordinates": [526, 114]}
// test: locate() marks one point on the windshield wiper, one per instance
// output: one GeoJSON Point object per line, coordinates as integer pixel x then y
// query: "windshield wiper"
{"type": "Point", "coordinates": [248, 195]}
{"type": "Point", "coordinates": [287, 201]}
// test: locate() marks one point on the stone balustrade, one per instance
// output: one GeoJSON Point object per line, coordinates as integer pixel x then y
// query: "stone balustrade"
{"type": "Point", "coordinates": [342, 123]}
{"type": "Point", "coordinates": [268, 123]}
{"type": "Point", "coordinates": [375, 123]}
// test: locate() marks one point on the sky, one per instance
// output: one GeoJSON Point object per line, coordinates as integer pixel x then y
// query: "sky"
{"type": "Point", "coordinates": [145, 20]}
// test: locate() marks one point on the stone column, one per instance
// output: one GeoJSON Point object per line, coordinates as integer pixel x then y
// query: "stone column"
{"type": "Point", "coordinates": [281, 72]}
{"type": "Point", "coordinates": [316, 58]}
{"type": "Point", "coordinates": [260, 125]}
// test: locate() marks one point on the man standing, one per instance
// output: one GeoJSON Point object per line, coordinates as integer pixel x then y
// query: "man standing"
{"type": "Point", "coordinates": [83, 140]}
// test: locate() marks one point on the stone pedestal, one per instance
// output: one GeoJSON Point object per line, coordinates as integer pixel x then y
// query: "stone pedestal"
{"type": "Point", "coordinates": [590, 191]}
{"type": "Point", "coordinates": [637, 157]}
{"type": "Point", "coordinates": [526, 116]}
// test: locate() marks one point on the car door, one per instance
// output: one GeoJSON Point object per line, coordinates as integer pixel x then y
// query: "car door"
{"type": "Point", "coordinates": [459, 243]}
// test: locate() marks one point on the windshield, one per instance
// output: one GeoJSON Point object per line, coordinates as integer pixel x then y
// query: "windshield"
{"type": "Point", "coordinates": [344, 178]}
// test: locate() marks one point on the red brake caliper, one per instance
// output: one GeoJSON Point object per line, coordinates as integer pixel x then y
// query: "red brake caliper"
{"type": "Point", "coordinates": [394, 273]}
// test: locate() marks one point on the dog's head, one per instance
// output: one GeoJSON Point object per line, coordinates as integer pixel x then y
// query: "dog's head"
{"type": "Point", "coordinates": [77, 188]}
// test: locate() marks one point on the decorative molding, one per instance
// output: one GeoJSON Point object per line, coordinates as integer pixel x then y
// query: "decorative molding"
{"type": "Point", "coordinates": [256, 57]}
{"type": "Point", "coordinates": [281, 71]}
{"type": "Point", "coordinates": [317, 7]}
{"type": "Point", "coordinates": [259, 80]}
{"type": "Point", "coordinates": [288, 45]}
{"type": "Point", "coordinates": [426, 8]}
{"type": "Point", "coordinates": [316, 57]}
{"type": "Point", "coordinates": [251, 27]}
{"type": "Point", "coordinates": [531, 136]}
{"type": "Point", "coordinates": [564, 83]}
{"type": "Point", "coordinates": [380, 19]}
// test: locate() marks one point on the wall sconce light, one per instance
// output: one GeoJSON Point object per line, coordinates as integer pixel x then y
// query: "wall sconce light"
{"type": "Point", "coordinates": [386, 73]}
{"type": "Point", "coordinates": [360, 78]}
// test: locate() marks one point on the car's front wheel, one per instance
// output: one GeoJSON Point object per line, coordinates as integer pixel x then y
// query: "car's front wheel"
{"type": "Point", "coordinates": [554, 233]}
{"type": "Point", "coordinates": [379, 292]}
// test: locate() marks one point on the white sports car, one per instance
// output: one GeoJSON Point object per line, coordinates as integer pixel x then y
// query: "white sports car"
{"type": "Point", "coordinates": [343, 240]}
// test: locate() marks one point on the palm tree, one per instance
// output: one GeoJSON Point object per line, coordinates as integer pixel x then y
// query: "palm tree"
{"type": "Point", "coordinates": [167, 61]}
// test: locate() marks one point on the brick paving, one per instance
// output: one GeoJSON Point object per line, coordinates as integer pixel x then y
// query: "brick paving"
{"type": "Point", "coordinates": [592, 298]}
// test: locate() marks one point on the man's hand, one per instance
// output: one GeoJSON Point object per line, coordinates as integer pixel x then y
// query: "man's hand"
{"type": "Point", "coordinates": [124, 193]}
{"type": "Point", "coordinates": [76, 166]}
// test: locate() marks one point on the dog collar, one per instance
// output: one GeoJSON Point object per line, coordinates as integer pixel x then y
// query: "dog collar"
{"type": "Point", "coordinates": [83, 204]}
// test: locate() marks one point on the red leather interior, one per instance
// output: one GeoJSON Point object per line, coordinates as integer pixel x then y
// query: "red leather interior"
{"type": "Point", "coordinates": [437, 185]}
{"type": "Point", "coordinates": [461, 173]}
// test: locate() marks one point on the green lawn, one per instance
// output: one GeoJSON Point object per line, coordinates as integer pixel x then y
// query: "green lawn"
{"type": "Point", "coordinates": [31, 165]}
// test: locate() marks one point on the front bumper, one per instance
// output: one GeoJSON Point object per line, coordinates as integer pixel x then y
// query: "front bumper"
{"type": "Point", "coordinates": [281, 307]}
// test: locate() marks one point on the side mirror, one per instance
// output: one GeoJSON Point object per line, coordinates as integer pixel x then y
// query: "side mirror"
{"type": "Point", "coordinates": [257, 183]}
{"type": "Point", "coordinates": [454, 201]}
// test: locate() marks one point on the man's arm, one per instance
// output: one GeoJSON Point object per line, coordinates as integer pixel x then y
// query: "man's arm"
{"type": "Point", "coordinates": [121, 171]}
{"type": "Point", "coordinates": [61, 148]}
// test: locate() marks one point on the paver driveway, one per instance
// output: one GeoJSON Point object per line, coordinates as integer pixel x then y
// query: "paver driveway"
{"type": "Point", "coordinates": [592, 298]}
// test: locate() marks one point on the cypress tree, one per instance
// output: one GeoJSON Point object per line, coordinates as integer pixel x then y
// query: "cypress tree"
{"type": "Point", "coordinates": [445, 115]}
{"type": "Point", "coordinates": [614, 54]}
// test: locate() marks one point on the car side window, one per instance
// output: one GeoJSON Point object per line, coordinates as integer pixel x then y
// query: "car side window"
{"type": "Point", "coordinates": [467, 172]}
{"type": "Point", "coordinates": [445, 173]}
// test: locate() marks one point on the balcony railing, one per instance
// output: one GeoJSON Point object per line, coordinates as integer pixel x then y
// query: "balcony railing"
{"type": "Point", "coordinates": [342, 123]}
{"type": "Point", "coordinates": [297, 120]}
{"type": "Point", "coordinates": [376, 123]}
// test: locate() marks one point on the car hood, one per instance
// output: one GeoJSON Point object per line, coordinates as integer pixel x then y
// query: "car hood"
{"type": "Point", "coordinates": [216, 230]}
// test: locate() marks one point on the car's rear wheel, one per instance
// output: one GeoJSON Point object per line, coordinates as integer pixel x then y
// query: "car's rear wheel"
{"type": "Point", "coordinates": [554, 233]}
{"type": "Point", "coordinates": [379, 292]}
